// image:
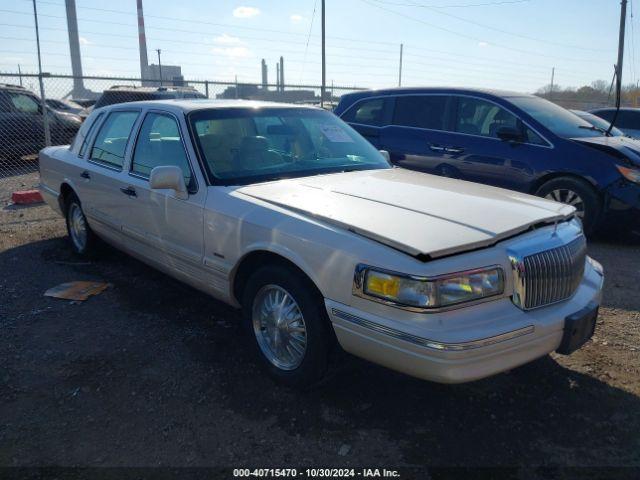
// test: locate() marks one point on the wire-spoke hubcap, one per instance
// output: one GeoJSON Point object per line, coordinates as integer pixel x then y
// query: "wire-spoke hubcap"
{"type": "Point", "coordinates": [569, 197]}
{"type": "Point", "coordinates": [77, 227]}
{"type": "Point", "coordinates": [279, 327]}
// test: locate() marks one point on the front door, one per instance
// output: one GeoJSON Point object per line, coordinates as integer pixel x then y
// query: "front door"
{"type": "Point", "coordinates": [478, 154]}
{"type": "Point", "coordinates": [168, 229]}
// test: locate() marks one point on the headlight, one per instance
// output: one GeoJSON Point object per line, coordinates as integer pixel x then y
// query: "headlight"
{"type": "Point", "coordinates": [429, 293]}
{"type": "Point", "coordinates": [630, 174]}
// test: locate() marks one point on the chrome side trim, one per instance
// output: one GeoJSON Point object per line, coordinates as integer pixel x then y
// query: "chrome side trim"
{"type": "Point", "coordinates": [432, 344]}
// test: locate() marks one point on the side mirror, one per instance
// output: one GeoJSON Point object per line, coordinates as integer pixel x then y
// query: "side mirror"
{"type": "Point", "coordinates": [509, 134]}
{"type": "Point", "coordinates": [169, 177]}
{"type": "Point", "coordinates": [386, 155]}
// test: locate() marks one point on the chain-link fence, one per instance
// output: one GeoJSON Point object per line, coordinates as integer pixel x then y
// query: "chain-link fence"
{"type": "Point", "coordinates": [33, 115]}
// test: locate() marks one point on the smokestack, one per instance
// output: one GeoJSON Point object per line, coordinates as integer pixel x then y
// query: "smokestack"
{"type": "Point", "coordinates": [265, 79]}
{"type": "Point", "coordinates": [281, 74]}
{"type": "Point", "coordinates": [74, 47]}
{"type": "Point", "coordinates": [277, 77]}
{"type": "Point", "coordinates": [144, 62]}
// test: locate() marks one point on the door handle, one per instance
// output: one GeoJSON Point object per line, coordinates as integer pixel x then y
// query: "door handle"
{"type": "Point", "coordinates": [86, 175]}
{"type": "Point", "coordinates": [130, 191]}
{"type": "Point", "coordinates": [454, 150]}
{"type": "Point", "coordinates": [437, 148]}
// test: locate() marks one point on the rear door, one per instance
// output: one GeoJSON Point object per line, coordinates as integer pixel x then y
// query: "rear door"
{"type": "Point", "coordinates": [417, 135]}
{"type": "Point", "coordinates": [368, 116]}
{"type": "Point", "coordinates": [103, 198]}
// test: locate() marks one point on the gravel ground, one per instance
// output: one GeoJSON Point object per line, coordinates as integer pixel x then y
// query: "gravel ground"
{"type": "Point", "coordinates": [154, 373]}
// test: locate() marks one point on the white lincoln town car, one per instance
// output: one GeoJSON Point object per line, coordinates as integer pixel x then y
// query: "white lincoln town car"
{"type": "Point", "coordinates": [286, 212]}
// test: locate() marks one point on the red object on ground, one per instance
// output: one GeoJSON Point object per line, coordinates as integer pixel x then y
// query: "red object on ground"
{"type": "Point", "coordinates": [26, 197]}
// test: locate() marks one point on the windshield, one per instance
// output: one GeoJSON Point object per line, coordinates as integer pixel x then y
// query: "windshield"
{"type": "Point", "coordinates": [557, 119]}
{"type": "Point", "coordinates": [599, 122]}
{"type": "Point", "coordinates": [249, 145]}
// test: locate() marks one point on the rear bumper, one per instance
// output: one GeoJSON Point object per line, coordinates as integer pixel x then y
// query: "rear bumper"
{"type": "Point", "coordinates": [530, 335]}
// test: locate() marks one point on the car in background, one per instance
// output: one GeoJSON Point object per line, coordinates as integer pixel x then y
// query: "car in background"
{"type": "Point", "coordinates": [598, 122]}
{"type": "Point", "coordinates": [127, 93]}
{"type": "Point", "coordinates": [85, 102]}
{"type": "Point", "coordinates": [286, 212]}
{"type": "Point", "coordinates": [628, 119]}
{"type": "Point", "coordinates": [511, 140]}
{"type": "Point", "coordinates": [64, 106]}
{"type": "Point", "coordinates": [22, 124]}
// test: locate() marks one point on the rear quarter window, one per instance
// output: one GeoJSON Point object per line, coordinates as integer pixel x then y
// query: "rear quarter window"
{"type": "Point", "coordinates": [80, 143]}
{"type": "Point", "coordinates": [421, 111]}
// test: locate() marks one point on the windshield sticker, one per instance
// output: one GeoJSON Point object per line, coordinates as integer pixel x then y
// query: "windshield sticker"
{"type": "Point", "coordinates": [335, 134]}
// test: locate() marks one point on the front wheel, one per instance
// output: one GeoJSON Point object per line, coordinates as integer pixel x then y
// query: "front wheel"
{"type": "Point", "coordinates": [286, 318]}
{"type": "Point", "coordinates": [577, 193]}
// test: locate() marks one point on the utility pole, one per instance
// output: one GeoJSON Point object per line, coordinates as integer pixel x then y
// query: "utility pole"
{"type": "Point", "coordinates": [553, 74]}
{"type": "Point", "coordinates": [400, 72]}
{"type": "Point", "coordinates": [159, 65]}
{"type": "Point", "coordinates": [43, 103]}
{"type": "Point", "coordinates": [623, 20]}
{"type": "Point", "coordinates": [324, 60]}
{"type": "Point", "coordinates": [20, 74]}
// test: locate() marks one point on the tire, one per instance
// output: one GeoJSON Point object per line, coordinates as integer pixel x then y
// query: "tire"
{"type": "Point", "coordinates": [82, 240]}
{"type": "Point", "coordinates": [278, 339]}
{"type": "Point", "coordinates": [577, 193]}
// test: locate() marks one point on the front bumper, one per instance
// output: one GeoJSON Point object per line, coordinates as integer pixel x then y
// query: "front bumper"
{"type": "Point", "coordinates": [509, 338]}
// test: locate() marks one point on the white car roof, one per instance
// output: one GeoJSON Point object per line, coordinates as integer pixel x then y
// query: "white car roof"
{"type": "Point", "coordinates": [188, 105]}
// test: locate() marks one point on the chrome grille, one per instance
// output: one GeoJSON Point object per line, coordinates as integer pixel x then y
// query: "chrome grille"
{"type": "Point", "coordinates": [550, 276]}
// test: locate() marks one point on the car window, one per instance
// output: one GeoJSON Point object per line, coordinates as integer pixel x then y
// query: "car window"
{"type": "Point", "coordinates": [84, 135]}
{"type": "Point", "coordinates": [475, 116]}
{"type": "Point", "coordinates": [24, 103]}
{"type": "Point", "coordinates": [628, 119]}
{"type": "Point", "coordinates": [422, 111]}
{"type": "Point", "coordinates": [368, 112]}
{"type": "Point", "coordinates": [558, 120]}
{"type": "Point", "coordinates": [606, 114]}
{"type": "Point", "coordinates": [159, 144]}
{"type": "Point", "coordinates": [240, 146]}
{"type": "Point", "coordinates": [111, 142]}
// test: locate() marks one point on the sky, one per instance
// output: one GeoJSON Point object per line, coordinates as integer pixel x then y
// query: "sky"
{"type": "Point", "coordinates": [505, 44]}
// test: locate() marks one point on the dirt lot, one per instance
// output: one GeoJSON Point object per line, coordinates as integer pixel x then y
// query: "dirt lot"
{"type": "Point", "coordinates": [153, 373]}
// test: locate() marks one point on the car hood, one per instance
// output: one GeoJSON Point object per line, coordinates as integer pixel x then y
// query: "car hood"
{"type": "Point", "coordinates": [419, 214]}
{"type": "Point", "coordinates": [627, 147]}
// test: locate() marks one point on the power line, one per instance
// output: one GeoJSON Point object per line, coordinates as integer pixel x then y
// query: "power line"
{"type": "Point", "coordinates": [471, 37]}
{"type": "Point", "coordinates": [467, 5]}
{"type": "Point", "coordinates": [495, 29]}
{"type": "Point", "coordinates": [306, 47]}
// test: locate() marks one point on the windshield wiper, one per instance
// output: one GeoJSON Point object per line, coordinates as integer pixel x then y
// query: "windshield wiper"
{"type": "Point", "coordinates": [595, 129]}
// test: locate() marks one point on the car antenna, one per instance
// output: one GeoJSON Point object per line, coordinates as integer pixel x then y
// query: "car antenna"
{"type": "Point", "coordinates": [623, 19]}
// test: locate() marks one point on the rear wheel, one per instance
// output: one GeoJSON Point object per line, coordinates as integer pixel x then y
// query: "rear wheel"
{"type": "Point", "coordinates": [577, 193]}
{"type": "Point", "coordinates": [286, 318]}
{"type": "Point", "coordinates": [81, 238]}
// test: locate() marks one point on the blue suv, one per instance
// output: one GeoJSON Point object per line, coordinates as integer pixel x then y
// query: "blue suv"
{"type": "Point", "coordinates": [510, 140]}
